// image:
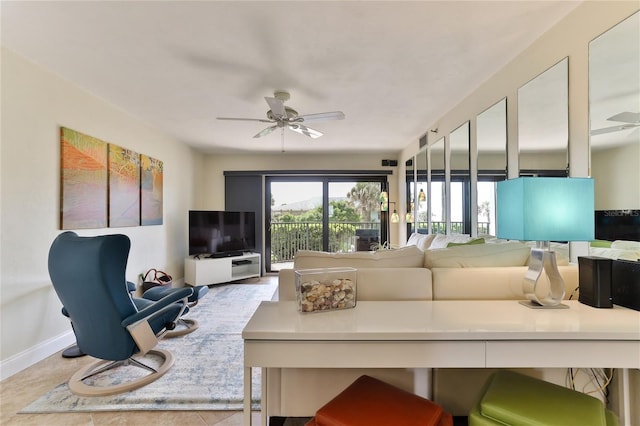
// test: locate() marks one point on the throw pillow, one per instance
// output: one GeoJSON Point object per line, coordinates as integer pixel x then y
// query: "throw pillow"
{"type": "Point", "coordinates": [405, 257]}
{"type": "Point", "coordinates": [600, 243]}
{"type": "Point", "coordinates": [613, 253]}
{"type": "Point", "coordinates": [442, 240]}
{"type": "Point", "coordinates": [478, 255]}
{"type": "Point", "coordinates": [468, 243]}
{"type": "Point", "coordinates": [626, 245]}
{"type": "Point", "coordinates": [422, 241]}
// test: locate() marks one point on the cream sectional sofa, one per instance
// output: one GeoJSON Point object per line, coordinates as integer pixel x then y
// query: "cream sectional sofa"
{"type": "Point", "coordinates": [618, 249]}
{"type": "Point", "coordinates": [416, 272]}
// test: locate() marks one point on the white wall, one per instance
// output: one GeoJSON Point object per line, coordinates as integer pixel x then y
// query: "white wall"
{"type": "Point", "coordinates": [35, 103]}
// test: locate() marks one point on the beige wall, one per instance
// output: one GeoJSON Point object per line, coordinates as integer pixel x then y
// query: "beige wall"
{"type": "Point", "coordinates": [616, 175]}
{"type": "Point", "coordinates": [215, 166]}
{"type": "Point", "coordinates": [35, 103]}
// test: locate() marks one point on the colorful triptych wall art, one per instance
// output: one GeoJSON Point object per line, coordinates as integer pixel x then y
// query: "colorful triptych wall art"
{"type": "Point", "coordinates": [107, 185]}
{"type": "Point", "coordinates": [124, 187]}
{"type": "Point", "coordinates": [151, 190]}
{"type": "Point", "coordinates": [83, 181]}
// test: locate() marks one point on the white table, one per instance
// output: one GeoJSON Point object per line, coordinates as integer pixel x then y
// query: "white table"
{"type": "Point", "coordinates": [441, 334]}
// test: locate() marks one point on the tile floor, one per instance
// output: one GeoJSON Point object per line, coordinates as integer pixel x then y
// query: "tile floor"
{"type": "Point", "coordinates": [19, 390]}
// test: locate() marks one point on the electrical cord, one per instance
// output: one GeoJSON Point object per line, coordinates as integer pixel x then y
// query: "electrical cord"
{"type": "Point", "coordinates": [575, 292]}
{"type": "Point", "coordinates": [597, 378]}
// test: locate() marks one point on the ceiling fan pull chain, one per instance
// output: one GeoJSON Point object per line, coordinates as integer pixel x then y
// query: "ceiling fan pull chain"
{"type": "Point", "coordinates": [282, 139]}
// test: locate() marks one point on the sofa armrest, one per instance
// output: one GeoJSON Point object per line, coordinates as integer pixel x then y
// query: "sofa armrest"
{"type": "Point", "coordinates": [374, 284]}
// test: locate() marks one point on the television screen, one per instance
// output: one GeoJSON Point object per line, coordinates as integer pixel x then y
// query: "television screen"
{"type": "Point", "coordinates": [614, 225]}
{"type": "Point", "coordinates": [221, 233]}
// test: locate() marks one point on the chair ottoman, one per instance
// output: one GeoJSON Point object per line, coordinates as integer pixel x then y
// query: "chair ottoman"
{"type": "Point", "coordinates": [511, 398]}
{"type": "Point", "coordinates": [371, 402]}
{"type": "Point", "coordinates": [184, 325]}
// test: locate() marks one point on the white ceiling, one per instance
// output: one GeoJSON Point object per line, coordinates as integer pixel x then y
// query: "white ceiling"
{"type": "Point", "coordinates": [392, 67]}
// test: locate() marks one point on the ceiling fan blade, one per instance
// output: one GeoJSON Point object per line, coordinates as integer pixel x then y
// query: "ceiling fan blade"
{"type": "Point", "coordinates": [626, 117]}
{"type": "Point", "coordinates": [613, 129]}
{"type": "Point", "coordinates": [334, 115]}
{"type": "Point", "coordinates": [261, 120]}
{"type": "Point", "coordinates": [304, 130]}
{"type": "Point", "coordinates": [266, 131]}
{"type": "Point", "coordinates": [277, 107]}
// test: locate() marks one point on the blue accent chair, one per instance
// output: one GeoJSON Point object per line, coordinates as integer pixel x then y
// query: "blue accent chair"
{"type": "Point", "coordinates": [183, 325]}
{"type": "Point", "coordinates": [88, 275]}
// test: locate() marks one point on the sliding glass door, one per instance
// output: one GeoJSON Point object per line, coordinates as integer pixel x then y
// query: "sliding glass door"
{"type": "Point", "coordinates": [295, 220]}
{"type": "Point", "coordinates": [334, 214]}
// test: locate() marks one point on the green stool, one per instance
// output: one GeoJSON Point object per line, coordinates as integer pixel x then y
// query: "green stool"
{"type": "Point", "coordinates": [514, 399]}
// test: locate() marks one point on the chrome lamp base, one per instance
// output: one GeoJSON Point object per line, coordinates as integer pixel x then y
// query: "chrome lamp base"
{"type": "Point", "coordinates": [543, 260]}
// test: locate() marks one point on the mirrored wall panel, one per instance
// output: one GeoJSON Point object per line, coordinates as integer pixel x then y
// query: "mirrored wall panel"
{"type": "Point", "coordinates": [417, 210]}
{"type": "Point", "coordinates": [543, 123]}
{"type": "Point", "coordinates": [410, 178]}
{"type": "Point", "coordinates": [438, 199]}
{"type": "Point", "coordinates": [419, 205]}
{"type": "Point", "coordinates": [460, 212]}
{"type": "Point", "coordinates": [491, 140]}
{"type": "Point", "coordinates": [614, 109]}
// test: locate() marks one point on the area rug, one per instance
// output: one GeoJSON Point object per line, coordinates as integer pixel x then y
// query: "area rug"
{"type": "Point", "coordinates": [208, 370]}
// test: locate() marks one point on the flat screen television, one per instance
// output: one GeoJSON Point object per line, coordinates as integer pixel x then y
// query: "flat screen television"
{"type": "Point", "coordinates": [614, 225]}
{"type": "Point", "coordinates": [221, 233]}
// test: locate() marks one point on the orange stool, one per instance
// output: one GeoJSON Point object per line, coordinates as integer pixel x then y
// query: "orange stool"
{"type": "Point", "coordinates": [371, 402]}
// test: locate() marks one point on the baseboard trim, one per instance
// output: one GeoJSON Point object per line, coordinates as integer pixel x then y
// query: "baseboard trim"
{"type": "Point", "coordinates": [29, 357]}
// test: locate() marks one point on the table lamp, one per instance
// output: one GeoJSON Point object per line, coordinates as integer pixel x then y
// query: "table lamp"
{"type": "Point", "coordinates": [545, 209]}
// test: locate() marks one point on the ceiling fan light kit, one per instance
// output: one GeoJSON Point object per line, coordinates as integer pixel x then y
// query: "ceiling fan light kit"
{"type": "Point", "coordinates": [281, 116]}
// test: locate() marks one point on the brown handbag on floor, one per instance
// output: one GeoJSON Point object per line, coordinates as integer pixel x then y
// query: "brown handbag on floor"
{"type": "Point", "coordinates": [154, 278]}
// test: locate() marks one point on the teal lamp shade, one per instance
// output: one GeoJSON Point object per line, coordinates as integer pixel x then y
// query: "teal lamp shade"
{"type": "Point", "coordinates": [546, 209]}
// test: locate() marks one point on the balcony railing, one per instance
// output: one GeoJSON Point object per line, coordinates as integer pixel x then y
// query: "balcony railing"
{"type": "Point", "coordinates": [287, 238]}
{"type": "Point", "coordinates": [456, 227]}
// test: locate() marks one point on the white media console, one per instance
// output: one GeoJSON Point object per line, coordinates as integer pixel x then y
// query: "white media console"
{"type": "Point", "coordinates": [207, 270]}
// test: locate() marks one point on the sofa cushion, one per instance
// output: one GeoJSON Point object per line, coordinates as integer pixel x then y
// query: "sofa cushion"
{"type": "Point", "coordinates": [422, 241]}
{"type": "Point", "coordinates": [405, 257]}
{"type": "Point", "coordinates": [478, 255]}
{"type": "Point", "coordinates": [374, 284]}
{"type": "Point", "coordinates": [560, 249]}
{"type": "Point", "coordinates": [490, 283]}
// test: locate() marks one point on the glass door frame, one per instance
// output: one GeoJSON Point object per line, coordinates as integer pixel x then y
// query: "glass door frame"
{"type": "Point", "coordinates": [325, 180]}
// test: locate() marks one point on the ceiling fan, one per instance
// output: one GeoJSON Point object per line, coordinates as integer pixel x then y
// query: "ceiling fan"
{"type": "Point", "coordinates": [281, 116]}
{"type": "Point", "coordinates": [629, 120]}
